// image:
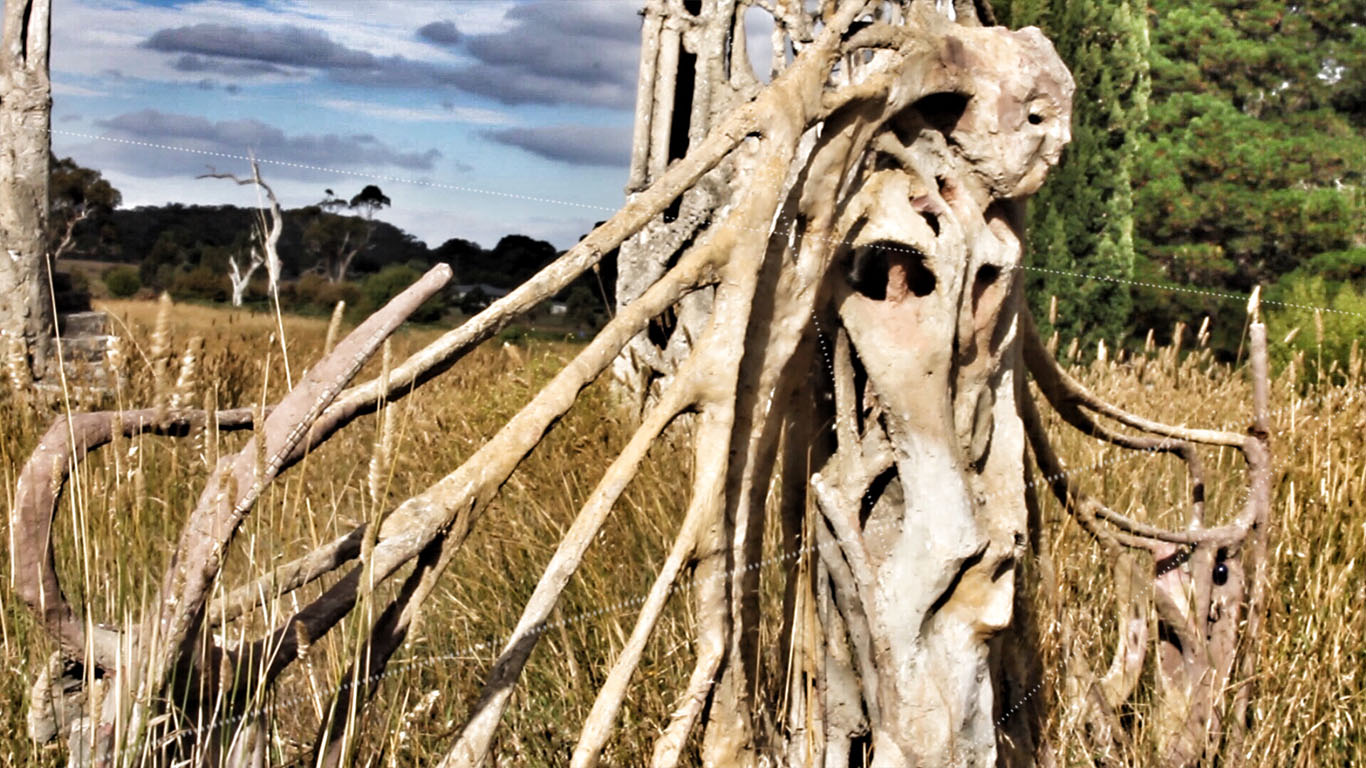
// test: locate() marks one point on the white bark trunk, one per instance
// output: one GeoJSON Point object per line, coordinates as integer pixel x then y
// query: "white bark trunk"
{"type": "Point", "coordinates": [25, 115]}
{"type": "Point", "coordinates": [240, 279]}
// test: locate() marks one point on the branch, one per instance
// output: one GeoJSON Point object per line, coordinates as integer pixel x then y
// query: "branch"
{"type": "Point", "coordinates": [1258, 512]}
{"type": "Point", "coordinates": [368, 664]}
{"type": "Point", "coordinates": [37, 492]}
{"type": "Point", "coordinates": [270, 236]}
{"type": "Point", "coordinates": [1082, 507]}
{"type": "Point", "coordinates": [1058, 386]}
{"type": "Point", "coordinates": [289, 577]}
{"type": "Point", "coordinates": [598, 726]}
{"type": "Point", "coordinates": [233, 490]}
{"type": "Point", "coordinates": [451, 506]}
{"type": "Point", "coordinates": [856, 620]}
{"type": "Point", "coordinates": [477, 735]}
{"type": "Point", "coordinates": [714, 628]}
{"type": "Point", "coordinates": [68, 236]}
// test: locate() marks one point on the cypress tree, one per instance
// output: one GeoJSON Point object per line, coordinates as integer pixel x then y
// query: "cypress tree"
{"type": "Point", "coordinates": [1081, 238]}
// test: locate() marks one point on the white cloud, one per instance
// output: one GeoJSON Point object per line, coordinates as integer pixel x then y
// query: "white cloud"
{"type": "Point", "coordinates": [67, 89]}
{"type": "Point", "coordinates": [453, 114]}
{"type": "Point", "coordinates": [579, 53]}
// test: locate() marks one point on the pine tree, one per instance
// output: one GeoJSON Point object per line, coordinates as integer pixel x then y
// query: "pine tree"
{"type": "Point", "coordinates": [1081, 238]}
{"type": "Point", "coordinates": [1253, 165]}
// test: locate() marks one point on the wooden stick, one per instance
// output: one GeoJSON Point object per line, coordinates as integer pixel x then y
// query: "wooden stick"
{"type": "Point", "coordinates": [471, 748]}
{"type": "Point", "coordinates": [1046, 370]}
{"type": "Point", "coordinates": [40, 483]}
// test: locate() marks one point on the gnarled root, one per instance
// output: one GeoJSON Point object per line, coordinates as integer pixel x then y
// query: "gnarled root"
{"type": "Point", "coordinates": [1200, 583]}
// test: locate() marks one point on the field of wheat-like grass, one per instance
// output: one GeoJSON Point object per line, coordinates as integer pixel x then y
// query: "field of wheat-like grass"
{"type": "Point", "coordinates": [123, 510]}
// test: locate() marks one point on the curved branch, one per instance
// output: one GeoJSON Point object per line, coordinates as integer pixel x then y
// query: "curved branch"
{"type": "Point", "coordinates": [289, 577]}
{"type": "Point", "coordinates": [233, 491]}
{"type": "Point", "coordinates": [1082, 507]}
{"type": "Point", "coordinates": [1059, 386]}
{"type": "Point", "coordinates": [450, 506]}
{"type": "Point", "coordinates": [39, 486]}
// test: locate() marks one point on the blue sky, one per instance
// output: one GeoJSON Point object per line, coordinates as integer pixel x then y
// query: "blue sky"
{"type": "Point", "coordinates": [478, 118]}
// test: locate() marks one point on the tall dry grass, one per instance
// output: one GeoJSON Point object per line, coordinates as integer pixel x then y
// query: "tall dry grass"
{"type": "Point", "coordinates": [1310, 694]}
{"type": "Point", "coordinates": [123, 510]}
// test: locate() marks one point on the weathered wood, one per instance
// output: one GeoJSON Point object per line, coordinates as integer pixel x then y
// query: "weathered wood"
{"type": "Point", "coordinates": [26, 318]}
{"type": "Point", "coordinates": [835, 260]}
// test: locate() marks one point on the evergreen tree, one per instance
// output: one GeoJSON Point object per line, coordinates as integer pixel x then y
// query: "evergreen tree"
{"type": "Point", "coordinates": [1254, 160]}
{"type": "Point", "coordinates": [1081, 225]}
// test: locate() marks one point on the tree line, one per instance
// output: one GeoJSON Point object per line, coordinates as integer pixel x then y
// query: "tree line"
{"type": "Point", "coordinates": [1216, 147]}
{"type": "Point", "coordinates": [330, 251]}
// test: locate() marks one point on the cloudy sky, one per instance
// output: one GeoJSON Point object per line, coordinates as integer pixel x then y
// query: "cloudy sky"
{"type": "Point", "coordinates": [478, 118]}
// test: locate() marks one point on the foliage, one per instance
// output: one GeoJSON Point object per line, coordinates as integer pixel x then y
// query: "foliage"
{"type": "Point", "coordinates": [584, 307]}
{"type": "Point", "coordinates": [1246, 163]}
{"type": "Point", "coordinates": [1327, 317]}
{"type": "Point", "coordinates": [122, 281]}
{"type": "Point", "coordinates": [336, 241]}
{"type": "Point", "coordinates": [201, 283]}
{"type": "Point", "coordinates": [1254, 159]}
{"type": "Point", "coordinates": [384, 285]}
{"type": "Point", "coordinates": [80, 199]}
{"type": "Point", "coordinates": [313, 294]}
{"type": "Point", "coordinates": [511, 262]}
{"type": "Point", "coordinates": [369, 200]}
{"type": "Point", "coordinates": [70, 291]}
{"type": "Point", "coordinates": [474, 300]}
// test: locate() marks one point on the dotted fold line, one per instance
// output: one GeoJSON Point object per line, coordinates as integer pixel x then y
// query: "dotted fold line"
{"type": "Point", "coordinates": [555, 201]}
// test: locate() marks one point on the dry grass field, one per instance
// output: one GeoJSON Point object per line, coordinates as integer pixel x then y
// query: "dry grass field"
{"type": "Point", "coordinates": [119, 520]}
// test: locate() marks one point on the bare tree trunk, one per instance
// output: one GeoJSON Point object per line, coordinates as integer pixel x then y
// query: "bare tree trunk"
{"type": "Point", "coordinates": [25, 115]}
{"type": "Point", "coordinates": [68, 239]}
{"type": "Point", "coordinates": [240, 278]}
{"type": "Point", "coordinates": [268, 231]}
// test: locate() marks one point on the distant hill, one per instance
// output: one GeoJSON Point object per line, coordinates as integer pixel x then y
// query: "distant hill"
{"type": "Point", "coordinates": [164, 239]}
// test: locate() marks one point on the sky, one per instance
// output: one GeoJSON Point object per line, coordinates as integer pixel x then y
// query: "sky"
{"type": "Point", "coordinates": [478, 118]}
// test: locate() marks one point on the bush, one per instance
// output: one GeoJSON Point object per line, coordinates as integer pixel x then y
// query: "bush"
{"type": "Point", "coordinates": [201, 283]}
{"type": "Point", "coordinates": [122, 282]}
{"type": "Point", "coordinates": [389, 282]}
{"type": "Point", "coordinates": [474, 301]}
{"type": "Point", "coordinates": [1341, 322]}
{"type": "Point", "coordinates": [314, 294]}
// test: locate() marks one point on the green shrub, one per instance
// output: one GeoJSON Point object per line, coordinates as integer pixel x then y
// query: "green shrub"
{"type": "Point", "coordinates": [314, 294]}
{"type": "Point", "coordinates": [1327, 338]}
{"type": "Point", "coordinates": [389, 282]}
{"type": "Point", "coordinates": [122, 282]}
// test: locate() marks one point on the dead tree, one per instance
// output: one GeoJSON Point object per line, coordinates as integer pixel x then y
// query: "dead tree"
{"type": "Point", "coordinates": [26, 319]}
{"type": "Point", "coordinates": [866, 350]}
{"type": "Point", "coordinates": [240, 277]}
{"type": "Point", "coordinates": [267, 233]}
